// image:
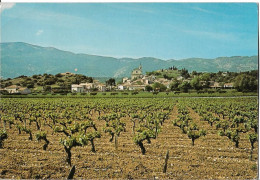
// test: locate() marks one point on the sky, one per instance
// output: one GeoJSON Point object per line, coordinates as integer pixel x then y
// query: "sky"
{"type": "Point", "coordinates": [160, 30]}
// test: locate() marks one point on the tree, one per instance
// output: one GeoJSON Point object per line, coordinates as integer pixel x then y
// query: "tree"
{"type": "Point", "coordinates": [194, 73]}
{"type": "Point", "coordinates": [245, 82]}
{"type": "Point", "coordinates": [148, 88]}
{"type": "Point", "coordinates": [195, 83]}
{"type": "Point", "coordinates": [205, 77]}
{"type": "Point", "coordinates": [159, 87]}
{"type": "Point", "coordinates": [184, 86]}
{"type": "Point", "coordinates": [47, 88]}
{"type": "Point", "coordinates": [58, 75]}
{"type": "Point", "coordinates": [31, 85]}
{"type": "Point", "coordinates": [111, 82]}
{"type": "Point", "coordinates": [174, 85]}
{"type": "Point", "coordinates": [185, 73]}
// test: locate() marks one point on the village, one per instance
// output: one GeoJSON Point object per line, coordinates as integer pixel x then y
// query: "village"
{"type": "Point", "coordinates": [136, 82]}
{"type": "Point", "coordinates": [140, 82]}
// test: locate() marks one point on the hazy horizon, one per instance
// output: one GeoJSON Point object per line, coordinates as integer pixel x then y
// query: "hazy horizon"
{"type": "Point", "coordinates": [135, 58]}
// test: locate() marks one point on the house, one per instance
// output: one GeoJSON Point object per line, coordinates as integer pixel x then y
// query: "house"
{"type": "Point", "coordinates": [12, 89]}
{"type": "Point", "coordinates": [136, 87]}
{"type": "Point", "coordinates": [145, 81]}
{"type": "Point", "coordinates": [17, 89]}
{"type": "Point", "coordinates": [101, 87]}
{"type": "Point", "coordinates": [125, 79]}
{"type": "Point", "coordinates": [228, 85]}
{"type": "Point", "coordinates": [121, 87]}
{"type": "Point", "coordinates": [87, 86]}
{"type": "Point", "coordinates": [24, 90]}
{"type": "Point", "coordinates": [215, 85]}
{"type": "Point", "coordinates": [137, 73]}
{"type": "Point", "coordinates": [77, 88]}
{"type": "Point", "coordinates": [148, 79]}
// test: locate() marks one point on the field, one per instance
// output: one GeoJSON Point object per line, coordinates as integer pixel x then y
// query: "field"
{"type": "Point", "coordinates": [127, 138]}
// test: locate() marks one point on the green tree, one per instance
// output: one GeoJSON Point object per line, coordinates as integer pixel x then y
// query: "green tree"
{"type": "Point", "coordinates": [148, 88]}
{"type": "Point", "coordinates": [184, 86]}
{"type": "Point", "coordinates": [245, 82]}
{"type": "Point", "coordinates": [159, 87]}
{"type": "Point", "coordinates": [185, 73]}
{"type": "Point", "coordinates": [111, 82]}
{"type": "Point", "coordinates": [195, 83]}
{"type": "Point", "coordinates": [174, 85]}
{"type": "Point", "coordinates": [205, 77]}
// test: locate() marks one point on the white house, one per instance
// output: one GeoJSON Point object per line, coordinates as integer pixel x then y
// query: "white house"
{"type": "Point", "coordinates": [101, 87]}
{"type": "Point", "coordinates": [17, 89]}
{"type": "Point", "coordinates": [136, 87]}
{"type": "Point", "coordinates": [87, 86]}
{"type": "Point", "coordinates": [77, 88]}
{"type": "Point", "coordinates": [228, 85]}
{"type": "Point", "coordinates": [121, 87]}
{"type": "Point", "coordinates": [12, 89]}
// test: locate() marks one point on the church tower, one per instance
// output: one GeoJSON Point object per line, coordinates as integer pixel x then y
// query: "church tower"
{"type": "Point", "coordinates": [137, 72]}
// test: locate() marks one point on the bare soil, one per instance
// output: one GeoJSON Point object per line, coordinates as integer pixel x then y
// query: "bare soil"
{"type": "Point", "coordinates": [212, 156]}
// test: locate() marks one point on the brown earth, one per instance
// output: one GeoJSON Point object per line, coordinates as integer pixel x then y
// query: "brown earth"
{"type": "Point", "coordinates": [212, 156]}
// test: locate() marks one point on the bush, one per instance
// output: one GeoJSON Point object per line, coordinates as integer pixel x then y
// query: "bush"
{"type": "Point", "coordinates": [134, 93]}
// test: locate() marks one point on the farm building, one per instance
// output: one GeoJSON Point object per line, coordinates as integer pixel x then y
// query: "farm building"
{"type": "Point", "coordinates": [228, 85]}
{"type": "Point", "coordinates": [77, 88]}
{"type": "Point", "coordinates": [17, 89]}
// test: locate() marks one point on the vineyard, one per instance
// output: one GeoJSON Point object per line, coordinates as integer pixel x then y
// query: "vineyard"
{"type": "Point", "coordinates": [129, 138]}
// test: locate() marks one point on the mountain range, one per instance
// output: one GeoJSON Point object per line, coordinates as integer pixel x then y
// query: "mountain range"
{"type": "Point", "coordinates": [19, 58]}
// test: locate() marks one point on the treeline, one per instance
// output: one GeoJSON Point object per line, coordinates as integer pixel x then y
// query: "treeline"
{"type": "Point", "coordinates": [242, 81]}
{"type": "Point", "coordinates": [63, 82]}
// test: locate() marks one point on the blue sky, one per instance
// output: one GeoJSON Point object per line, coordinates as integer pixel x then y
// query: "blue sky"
{"type": "Point", "coordinates": [161, 30]}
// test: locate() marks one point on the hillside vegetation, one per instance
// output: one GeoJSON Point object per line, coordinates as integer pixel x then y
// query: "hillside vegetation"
{"type": "Point", "coordinates": [26, 59]}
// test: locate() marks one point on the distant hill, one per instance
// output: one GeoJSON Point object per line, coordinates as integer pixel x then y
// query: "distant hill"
{"type": "Point", "coordinates": [20, 58]}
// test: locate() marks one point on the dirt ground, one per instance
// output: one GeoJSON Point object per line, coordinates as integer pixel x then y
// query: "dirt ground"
{"type": "Point", "coordinates": [212, 156]}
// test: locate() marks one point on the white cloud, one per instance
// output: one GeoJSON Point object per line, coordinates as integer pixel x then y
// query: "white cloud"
{"type": "Point", "coordinates": [39, 32]}
{"type": "Point", "coordinates": [212, 35]}
{"type": "Point", "coordinates": [5, 5]}
{"type": "Point", "coordinates": [203, 10]}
